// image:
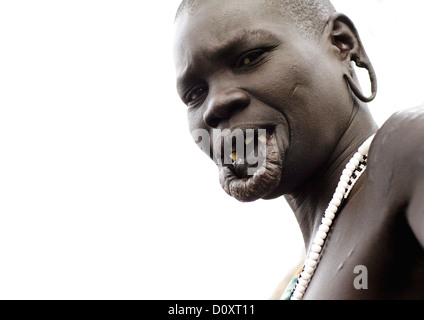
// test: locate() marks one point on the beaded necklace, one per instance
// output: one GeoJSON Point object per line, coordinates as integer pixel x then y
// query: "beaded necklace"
{"type": "Point", "coordinates": [353, 170]}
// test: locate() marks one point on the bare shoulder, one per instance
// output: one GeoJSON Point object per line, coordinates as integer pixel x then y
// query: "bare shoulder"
{"type": "Point", "coordinates": [397, 152]}
{"type": "Point", "coordinates": [407, 119]}
{"type": "Point", "coordinates": [402, 135]}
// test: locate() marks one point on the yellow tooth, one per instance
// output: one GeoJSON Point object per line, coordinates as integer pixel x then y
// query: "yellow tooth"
{"type": "Point", "coordinates": [234, 156]}
{"type": "Point", "coordinates": [248, 140]}
{"type": "Point", "coordinates": [262, 138]}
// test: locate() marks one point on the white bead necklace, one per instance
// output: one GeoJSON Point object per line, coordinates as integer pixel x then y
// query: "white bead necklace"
{"type": "Point", "coordinates": [353, 170]}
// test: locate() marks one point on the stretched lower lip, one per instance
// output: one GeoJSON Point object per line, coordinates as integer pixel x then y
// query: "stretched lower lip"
{"type": "Point", "coordinates": [264, 179]}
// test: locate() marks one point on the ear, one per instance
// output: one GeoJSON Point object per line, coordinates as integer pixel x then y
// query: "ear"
{"type": "Point", "coordinates": [344, 38]}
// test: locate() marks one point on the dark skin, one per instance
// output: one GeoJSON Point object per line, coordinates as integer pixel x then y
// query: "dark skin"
{"type": "Point", "coordinates": [241, 65]}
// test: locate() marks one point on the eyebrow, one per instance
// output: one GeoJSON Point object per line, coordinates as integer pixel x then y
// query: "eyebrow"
{"type": "Point", "coordinates": [243, 37]}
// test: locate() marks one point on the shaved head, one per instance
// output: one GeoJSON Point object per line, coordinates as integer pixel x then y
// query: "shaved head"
{"type": "Point", "coordinates": [308, 16]}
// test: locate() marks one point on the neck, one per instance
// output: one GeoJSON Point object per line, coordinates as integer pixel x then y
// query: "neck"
{"type": "Point", "coordinates": [310, 200]}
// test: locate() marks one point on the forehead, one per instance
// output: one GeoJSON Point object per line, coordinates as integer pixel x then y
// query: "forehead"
{"type": "Point", "coordinates": [212, 24]}
{"type": "Point", "coordinates": [219, 17]}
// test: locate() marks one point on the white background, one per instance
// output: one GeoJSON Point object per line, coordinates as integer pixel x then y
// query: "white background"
{"type": "Point", "coordinates": [103, 195]}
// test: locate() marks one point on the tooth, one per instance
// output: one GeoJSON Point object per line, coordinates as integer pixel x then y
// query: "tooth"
{"type": "Point", "coordinates": [262, 138]}
{"type": "Point", "coordinates": [233, 156]}
{"type": "Point", "coordinates": [248, 140]}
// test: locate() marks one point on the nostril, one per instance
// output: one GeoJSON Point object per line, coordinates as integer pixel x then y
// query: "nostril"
{"type": "Point", "coordinates": [211, 118]}
{"type": "Point", "coordinates": [213, 123]}
{"type": "Point", "coordinates": [223, 105]}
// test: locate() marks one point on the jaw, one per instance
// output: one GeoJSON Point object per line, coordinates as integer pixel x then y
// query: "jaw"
{"type": "Point", "coordinates": [264, 179]}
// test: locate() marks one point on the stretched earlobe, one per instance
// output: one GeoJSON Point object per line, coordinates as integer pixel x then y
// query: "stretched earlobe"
{"type": "Point", "coordinates": [356, 90]}
{"type": "Point", "coordinates": [345, 37]}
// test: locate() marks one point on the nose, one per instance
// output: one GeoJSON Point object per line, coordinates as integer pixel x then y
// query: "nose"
{"type": "Point", "coordinates": [223, 104]}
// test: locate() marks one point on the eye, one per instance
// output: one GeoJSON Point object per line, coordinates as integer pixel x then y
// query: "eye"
{"type": "Point", "coordinates": [250, 58]}
{"type": "Point", "coordinates": [195, 95]}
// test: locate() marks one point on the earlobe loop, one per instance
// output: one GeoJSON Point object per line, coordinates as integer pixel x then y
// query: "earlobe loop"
{"type": "Point", "coordinates": [355, 89]}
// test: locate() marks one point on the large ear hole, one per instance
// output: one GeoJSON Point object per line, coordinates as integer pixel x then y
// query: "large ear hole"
{"type": "Point", "coordinates": [361, 76]}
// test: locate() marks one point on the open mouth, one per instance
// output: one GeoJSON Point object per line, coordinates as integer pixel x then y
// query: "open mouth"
{"type": "Point", "coordinates": [250, 162]}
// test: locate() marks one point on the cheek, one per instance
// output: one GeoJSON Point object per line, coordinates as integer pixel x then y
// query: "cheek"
{"type": "Point", "coordinates": [286, 89]}
{"type": "Point", "coordinates": [195, 119]}
{"type": "Point", "coordinates": [302, 91]}
{"type": "Point", "coordinates": [200, 133]}
{"type": "Point", "coordinates": [279, 82]}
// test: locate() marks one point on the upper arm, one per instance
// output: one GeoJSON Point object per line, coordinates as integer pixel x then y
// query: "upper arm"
{"type": "Point", "coordinates": [415, 211]}
{"type": "Point", "coordinates": [400, 160]}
